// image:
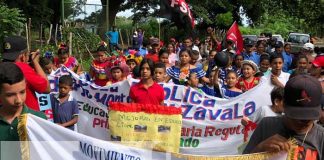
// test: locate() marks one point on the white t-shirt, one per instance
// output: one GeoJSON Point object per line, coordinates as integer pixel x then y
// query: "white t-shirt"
{"type": "Point", "coordinates": [264, 111]}
{"type": "Point", "coordinates": [283, 77]}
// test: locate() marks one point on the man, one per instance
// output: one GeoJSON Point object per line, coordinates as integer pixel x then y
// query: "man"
{"type": "Point", "coordinates": [249, 54]}
{"type": "Point", "coordinates": [302, 108]}
{"type": "Point", "coordinates": [15, 50]}
{"type": "Point", "coordinates": [12, 96]}
{"type": "Point", "coordinates": [112, 37]}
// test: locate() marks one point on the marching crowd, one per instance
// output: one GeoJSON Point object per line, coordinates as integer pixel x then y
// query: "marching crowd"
{"type": "Point", "coordinates": [216, 69]}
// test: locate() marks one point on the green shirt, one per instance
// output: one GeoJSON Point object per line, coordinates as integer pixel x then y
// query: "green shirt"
{"type": "Point", "coordinates": [8, 132]}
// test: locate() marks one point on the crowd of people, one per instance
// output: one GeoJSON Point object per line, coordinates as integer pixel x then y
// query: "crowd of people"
{"type": "Point", "coordinates": [207, 66]}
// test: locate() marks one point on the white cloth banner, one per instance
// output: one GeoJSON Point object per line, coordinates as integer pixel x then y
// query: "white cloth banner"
{"type": "Point", "coordinates": [49, 141]}
{"type": "Point", "coordinates": [211, 126]}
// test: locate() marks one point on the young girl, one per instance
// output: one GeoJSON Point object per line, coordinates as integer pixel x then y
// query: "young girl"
{"type": "Point", "coordinates": [302, 62]}
{"type": "Point", "coordinates": [248, 80]}
{"type": "Point", "coordinates": [264, 66]}
{"type": "Point", "coordinates": [118, 72]}
{"type": "Point", "coordinates": [98, 67]}
{"type": "Point", "coordinates": [147, 91]}
{"type": "Point", "coordinates": [173, 58]}
{"type": "Point", "coordinates": [237, 64]}
{"type": "Point", "coordinates": [164, 58]}
{"type": "Point", "coordinates": [180, 73]}
{"type": "Point", "coordinates": [66, 60]}
{"type": "Point", "coordinates": [228, 90]}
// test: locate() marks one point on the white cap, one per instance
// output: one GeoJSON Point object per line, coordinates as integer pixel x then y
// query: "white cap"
{"type": "Point", "coordinates": [308, 46]}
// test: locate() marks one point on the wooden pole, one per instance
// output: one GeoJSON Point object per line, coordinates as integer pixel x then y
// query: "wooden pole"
{"type": "Point", "coordinates": [121, 38]}
{"type": "Point", "coordinates": [127, 35]}
{"type": "Point", "coordinates": [29, 34]}
{"type": "Point", "coordinates": [27, 37]}
{"type": "Point", "coordinates": [55, 34]}
{"type": "Point", "coordinates": [50, 34]}
{"type": "Point", "coordinates": [41, 36]}
{"type": "Point", "coordinates": [70, 43]}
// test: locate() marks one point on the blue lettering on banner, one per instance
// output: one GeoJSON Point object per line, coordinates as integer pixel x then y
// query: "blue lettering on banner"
{"type": "Point", "coordinates": [98, 153]}
{"type": "Point", "coordinates": [44, 101]}
{"type": "Point", "coordinates": [202, 113]}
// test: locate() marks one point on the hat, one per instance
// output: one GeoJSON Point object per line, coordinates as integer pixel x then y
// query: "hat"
{"type": "Point", "coordinates": [117, 64]}
{"type": "Point", "coordinates": [252, 64]}
{"type": "Point", "coordinates": [302, 98]}
{"type": "Point", "coordinates": [13, 46]}
{"type": "Point", "coordinates": [155, 41]}
{"type": "Point", "coordinates": [319, 61]}
{"type": "Point", "coordinates": [308, 46]}
{"type": "Point", "coordinates": [248, 42]}
{"type": "Point", "coordinates": [278, 44]}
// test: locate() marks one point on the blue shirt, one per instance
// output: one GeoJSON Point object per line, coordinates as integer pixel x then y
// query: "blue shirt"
{"type": "Point", "coordinates": [253, 57]}
{"type": "Point", "coordinates": [287, 61]}
{"type": "Point", "coordinates": [64, 112]}
{"type": "Point", "coordinates": [174, 73]}
{"type": "Point", "coordinates": [113, 35]}
{"type": "Point", "coordinates": [208, 90]}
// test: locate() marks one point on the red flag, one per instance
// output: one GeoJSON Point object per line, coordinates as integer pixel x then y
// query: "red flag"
{"type": "Point", "coordinates": [235, 35]}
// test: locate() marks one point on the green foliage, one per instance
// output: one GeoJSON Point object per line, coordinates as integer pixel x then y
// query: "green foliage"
{"type": "Point", "coordinates": [11, 20]}
{"type": "Point", "coordinates": [224, 20]}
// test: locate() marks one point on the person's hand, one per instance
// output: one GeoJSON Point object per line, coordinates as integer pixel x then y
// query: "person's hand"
{"type": "Point", "coordinates": [245, 121]}
{"type": "Point", "coordinates": [35, 56]}
{"type": "Point", "coordinates": [275, 81]}
{"type": "Point", "coordinates": [274, 144]}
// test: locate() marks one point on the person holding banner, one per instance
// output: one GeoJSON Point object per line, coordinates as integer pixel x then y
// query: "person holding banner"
{"type": "Point", "coordinates": [12, 97]}
{"type": "Point", "coordinates": [302, 107]}
{"type": "Point", "coordinates": [147, 91]}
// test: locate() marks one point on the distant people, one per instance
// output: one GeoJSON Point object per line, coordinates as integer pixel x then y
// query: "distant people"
{"type": "Point", "coordinates": [112, 37]}
{"type": "Point", "coordinates": [147, 91]}
{"type": "Point", "coordinates": [249, 54]}
{"type": "Point", "coordinates": [15, 50]}
{"type": "Point", "coordinates": [13, 96]}
{"type": "Point", "coordinates": [64, 106]}
{"type": "Point", "coordinates": [302, 95]}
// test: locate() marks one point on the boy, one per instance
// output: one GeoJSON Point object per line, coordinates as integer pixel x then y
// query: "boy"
{"type": "Point", "coordinates": [277, 77]}
{"type": "Point", "coordinates": [302, 108]}
{"type": "Point", "coordinates": [159, 73]}
{"type": "Point", "coordinates": [147, 91]}
{"type": "Point", "coordinates": [193, 82]}
{"type": "Point", "coordinates": [65, 108]}
{"type": "Point", "coordinates": [12, 98]}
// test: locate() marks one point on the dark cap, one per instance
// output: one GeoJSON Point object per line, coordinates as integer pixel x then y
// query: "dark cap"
{"type": "Point", "coordinates": [278, 44]}
{"type": "Point", "coordinates": [302, 98]}
{"type": "Point", "coordinates": [248, 42]}
{"type": "Point", "coordinates": [13, 46]}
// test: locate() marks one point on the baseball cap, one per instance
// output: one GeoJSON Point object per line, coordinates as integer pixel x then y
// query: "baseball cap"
{"type": "Point", "coordinates": [278, 44]}
{"type": "Point", "coordinates": [319, 61]}
{"type": "Point", "coordinates": [308, 46]}
{"type": "Point", "coordinates": [248, 42]}
{"type": "Point", "coordinates": [13, 46]}
{"type": "Point", "coordinates": [302, 98]}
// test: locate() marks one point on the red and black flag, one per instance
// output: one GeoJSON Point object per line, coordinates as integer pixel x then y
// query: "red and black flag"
{"type": "Point", "coordinates": [177, 11]}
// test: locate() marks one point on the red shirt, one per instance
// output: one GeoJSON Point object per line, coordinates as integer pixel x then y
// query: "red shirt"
{"type": "Point", "coordinates": [153, 57]}
{"type": "Point", "coordinates": [245, 86]}
{"type": "Point", "coordinates": [152, 95]}
{"type": "Point", "coordinates": [35, 83]}
{"type": "Point", "coordinates": [99, 72]}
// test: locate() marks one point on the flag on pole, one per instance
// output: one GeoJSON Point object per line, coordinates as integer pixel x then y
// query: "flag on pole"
{"type": "Point", "coordinates": [234, 34]}
{"type": "Point", "coordinates": [177, 11]}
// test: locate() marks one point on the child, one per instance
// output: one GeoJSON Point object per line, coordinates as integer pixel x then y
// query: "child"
{"type": "Point", "coordinates": [195, 59]}
{"type": "Point", "coordinates": [164, 58]}
{"type": "Point", "coordinates": [237, 65]}
{"type": "Point", "coordinates": [209, 88]}
{"type": "Point", "coordinates": [68, 61]}
{"type": "Point", "coordinates": [193, 81]}
{"type": "Point", "coordinates": [302, 63]}
{"type": "Point", "coordinates": [277, 77]}
{"type": "Point", "coordinates": [47, 65]}
{"type": "Point", "coordinates": [159, 73]}
{"type": "Point", "coordinates": [228, 89]}
{"type": "Point", "coordinates": [117, 73]}
{"type": "Point", "coordinates": [147, 91]}
{"type": "Point", "coordinates": [64, 106]}
{"type": "Point", "coordinates": [131, 64]}
{"type": "Point", "coordinates": [180, 72]}
{"type": "Point", "coordinates": [98, 66]}
{"type": "Point", "coordinates": [276, 109]}
{"type": "Point", "coordinates": [264, 66]}
{"type": "Point", "coordinates": [173, 58]}
{"type": "Point", "coordinates": [248, 80]}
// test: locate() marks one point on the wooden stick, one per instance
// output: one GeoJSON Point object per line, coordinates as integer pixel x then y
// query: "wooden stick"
{"type": "Point", "coordinates": [127, 35]}
{"type": "Point", "coordinates": [41, 36]}
{"type": "Point", "coordinates": [50, 34]}
{"type": "Point", "coordinates": [121, 39]}
{"type": "Point", "coordinates": [29, 34]}
{"type": "Point", "coordinates": [55, 35]}
{"type": "Point", "coordinates": [70, 43]}
{"type": "Point", "coordinates": [27, 37]}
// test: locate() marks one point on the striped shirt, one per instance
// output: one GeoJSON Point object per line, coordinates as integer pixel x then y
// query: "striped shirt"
{"type": "Point", "coordinates": [174, 73]}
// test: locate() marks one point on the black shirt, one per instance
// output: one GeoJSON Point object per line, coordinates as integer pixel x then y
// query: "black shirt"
{"type": "Point", "coordinates": [270, 126]}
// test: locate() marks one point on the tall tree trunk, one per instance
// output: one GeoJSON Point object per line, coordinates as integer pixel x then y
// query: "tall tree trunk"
{"type": "Point", "coordinates": [114, 6]}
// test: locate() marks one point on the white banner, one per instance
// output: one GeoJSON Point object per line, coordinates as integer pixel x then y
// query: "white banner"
{"type": "Point", "coordinates": [211, 126]}
{"type": "Point", "coordinates": [49, 141]}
